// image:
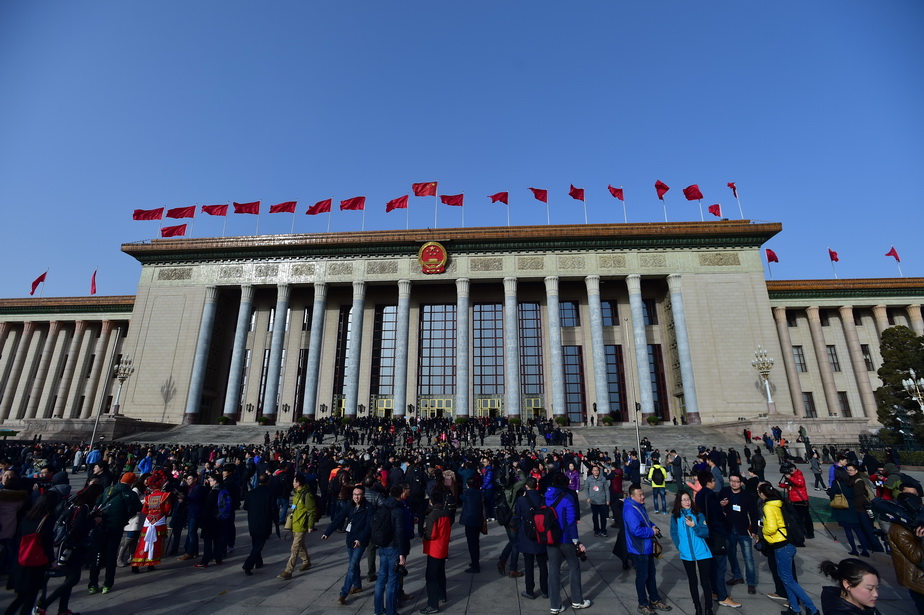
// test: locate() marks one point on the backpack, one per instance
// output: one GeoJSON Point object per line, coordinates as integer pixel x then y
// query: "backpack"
{"type": "Point", "coordinates": [542, 524]}
{"type": "Point", "coordinates": [502, 511]}
{"type": "Point", "coordinates": [657, 476]}
{"type": "Point", "coordinates": [225, 506]}
{"type": "Point", "coordinates": [383, 527]}
{"type": "Point", "coordinates": [795, 533]}
{"type": "Point", "coordinates": [64, 524]}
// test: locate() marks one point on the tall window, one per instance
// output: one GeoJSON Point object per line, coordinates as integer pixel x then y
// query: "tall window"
{"type": "Point", "coordinates": [616, 381]}
{"type": "Point", "coordinates": [867, 357]}
{"type": "Point", "coordinates": [343, 343]}
{"type": "Point", "coordinates": [488, 349]}
{"type": "Point", "coordinates": [844, 403]}
{"type": "Point", "coordinates": [832, 357]}
{"type": "Point", "coordinates": [569, 314]}
{"type": "Point", "coordinates": [858, 318]}
{"type": "Point", "coordinates": [530, 321]}
{"type": "Point", "coordinates": [825, 317]}
{"type": "Point", "coordinates": [610, 313]}
{"type": "Point", "coordinates": [574, 383]}
{"type": "Point", "coordinates": [436, 370]}
{"type": "Point", "coordinates": [791, 320]}
{"type": "Point", "coordinates": [271, 320]}
{"type": "Point", "coordinates": [809, 400]}
{"type": "Point", "coordinates": [264, 369]}
{"type": "Point", "coordinates": [384, 342]}
{"type": "Point", "coordinates": [799, 356]}
{"type": "Point", "coordinates": [300, 383]}
{"type": "Point", "coordinates": [651, 311]}
{"type": "Point", "coordinates": [306, 319]}
{"type": "Point", "coordinates": [658, 385]}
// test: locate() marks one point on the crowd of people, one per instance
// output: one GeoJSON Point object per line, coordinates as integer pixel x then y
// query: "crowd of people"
{"type": "Point", "coordinates": [383, 484]}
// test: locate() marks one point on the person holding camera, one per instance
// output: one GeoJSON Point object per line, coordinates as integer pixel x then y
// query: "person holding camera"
{"type": "Point", "coordinates": [907, 549]}
{"type": "Point", "coordinates": [793, 485]}
{"type": "Point", "coordinates": [641, 534]}
{"type": "Point", "coordinates": [689, 533]}
{"type": "Point", "coordinates": [563, 500]}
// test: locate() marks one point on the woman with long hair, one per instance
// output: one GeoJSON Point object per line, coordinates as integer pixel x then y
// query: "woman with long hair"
{"type": "Point", "coordinates": [862, 502]}
{"type": "Point", "coordinates": [689, 532]}
{"type": "Point", "coordinates": [857, 588]}
{"type": "Point", "coordinates": [775, 533]}
{"type": "Point", "coordinates": [27, 581]}
{"type": "Point", "coordinates": [848, 518]}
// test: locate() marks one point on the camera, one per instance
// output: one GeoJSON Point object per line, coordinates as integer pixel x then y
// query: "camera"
{"type": "Point", "coordinates": [906, 511]}
{"type": "Point", "coordinates": [402, 570]}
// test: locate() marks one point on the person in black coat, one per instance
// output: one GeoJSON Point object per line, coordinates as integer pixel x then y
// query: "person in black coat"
{"type": "Point", "coordinates": [532, 551]}
{"type": "Point", "coordinates": [472, 518]}
{"type": "Point", "coordinates": [260, 504]}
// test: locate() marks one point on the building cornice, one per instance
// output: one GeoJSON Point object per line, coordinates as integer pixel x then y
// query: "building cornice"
{"type": "Point", "coordinates": [860, 288]}
{"type": "Point", "coordinates": [70, 305]}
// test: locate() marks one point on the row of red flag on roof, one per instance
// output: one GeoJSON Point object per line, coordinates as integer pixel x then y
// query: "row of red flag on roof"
{"type": "Point", "coordinates": [773, 258]}
{"type": "Point", "coordinates": [692, 193]}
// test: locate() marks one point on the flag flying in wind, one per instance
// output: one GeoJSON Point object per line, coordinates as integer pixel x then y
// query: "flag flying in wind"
{"type": "Point", "coordinates": [148, 214]}
{"type": "Point", "coordinates": [833, 256]}
{"type": "Point", "coordinates": [540, 194]}
{"type": "Point", "coordinates": [287, 207]}
{"type": "Point", "coordinates": [616, 192]}
{"type": "Point", "coordinates": [500, 196]}
{"type": "Point", "coordinates": [247, 208]}
{"type": "Point", "coordinates": [37, 281]}
{"type": "Point", "coordinates": [173, 231]}
{"type": "Point", "coordinates": [93, 283]}
{"type": "Point", "coordinates": [692, 192]}
{"type": "Point", "coordinates": [398, 203]}
{"type": "Point", "coordinates": [716, 210]}
{"type": "Point", "coordinates": [771, 256]}
{"type": "Point", "coordinates": [734, 188]}
{"type": "Point", "coordinates": [357, 203]}
{"type": "Point", "coordinates": [576, 193]}
{"type": "Point", "coordinates": [182, 212]}
{"type": "Point", "coordinates": [424, 189]}
{"type": "Point", "coordinates": [321, 207]}
{"type": "Point", "coordinates": [894, 254]}
{"type": "Point", "coordinates": [662, 189]}
{"type": "Point", "coordinates": [452, 199]}
{"type": "Point", "coordinates": [215, 210]}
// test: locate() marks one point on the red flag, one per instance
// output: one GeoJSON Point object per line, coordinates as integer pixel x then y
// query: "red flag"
{"type": "Point", "coordinates": [692, 193]}
{"type": "Point", "coordinates": [662, 189]}
{"type": "Point", "coordinates": [833, 256]}
{"type": "Point", "coordinates": [452, 199]}
{"type": "Point", "coordinates": [355, 204]}
{"type": "Point", "coordinates": [288, 207]}
{"type": "Point", "coordinates": [734, 189]}
{"type": "Point", "coordinates": [716, 210]}
{"type": "Point", "coordinates": [771, 256]}
{"type": "Point", "coordinates": [398, 203]}
{"type": "Point", "coordinates": [894, 254]}
{"type": "Point", "coordinates": [247, 208]}
{"type": "Point", "coordinates": [424, 189]}
{"type": "Point", "coordinates": [182, 212]}
{"type": "Point", "coordinates": [148, 214]}
{"type": "Point", "coordinates": [37, 281]}
{"type": "Point", "coordinates": [173, 231]}
{"type": "Point", "coordinates": [93, 283]}
{"type": "Point", "coordinates": [215, 210]}
{"type": "Point", "coordinates": [576, 193]}
{"type": "Point", "coordinates": [617, 192]}
{"type": "Point", "coordinates": [540, 194]}
{"type": "Point", "coordinates": [500, 196]}
{"type": "Point", "coordinates": [321, 207]}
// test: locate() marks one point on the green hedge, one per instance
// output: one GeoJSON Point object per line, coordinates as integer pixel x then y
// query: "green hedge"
{"type": "Point", "coordinates": [912, 458]}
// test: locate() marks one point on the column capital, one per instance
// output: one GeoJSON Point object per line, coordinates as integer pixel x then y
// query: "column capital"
{"type": "Point", "coordinates": [282, 292]}
{"type": "Point", "coordinates": [812, 313]}
{"type": "Point", "coordinates": [29, 325]}
{"type": "Point", "coordinates": [53, 326]}
{"type": "Point", "coordinates": [246, 293]}
{"type": "Point", "coordinates": [634, 282]}
{"type": "Point", "coordinates": [551, 285]}
{"type": "Point", "coordinates": [211, 293]}
{"type": "Point", "coordinates": [359, 290]}
{"type": "Point", "coordinates": [404, 288]}
{"type": "Point", "coordinates": [846, 310]}
{"type": "Point", "coordinates": [79, 326]}
{"type": "Point", "coordinates": [462, 287]}
{"type": "Point", "coordinates": [673, 282]}
{"type": "Point", "coordinates": [320, 291]}
{"type": "Point", "coordinates": [510, 286]}
{"type": "Point", "coordinates": [107, 326]}
{"type": "Point", "coordinates": [593, 284]}
{"type": "Point", "coordinates": [779, 314]}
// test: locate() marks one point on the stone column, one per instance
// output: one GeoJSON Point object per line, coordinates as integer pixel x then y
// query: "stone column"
{"type": "Point", "coordinates": [463, 375]}
{"type": "Point", "coordinates": [789, 362]}
{"type": "Point", "coordinates": [5, 328]}
{"type": "Point", "coordinates": [882, 319]}
{"type": "Point", "coordinates": [867, 399]}
{"type": "Point", "coordinates": [313, 363]}
{"type": "Point", "coordinates": [511, 349]}
{"type": "Point", "coordinates": [238, 353]}
{"type": "Point", "coordinates": [277, 343]}
{"type": "Point", "coordinates": [683, 350]}
{"type": "Point", "coordinates": [601, 386]}
{"type": "Point", "coordinates": [201, 358]}
{"type": "Point", "coordinates": [70, 366]}
{"type": "Point", "coordinates": [355, 350]}
{"type": "Point", "coordinates": [401, 348]}
{"type": "Point", "coordinates": [19, 361]}
{"type": "Point", "coordinates": [642, 367]}
{"type": "Point", "coordinates": [556, 379]}
{"type": "Point", "coordinates": [914, 315]}
{"type": "Point", "coordinates": [99, 359]}
{"type": "Point", "coordinates": [824, 364]}
{"type": "Point", "coordinates": [38, 383]}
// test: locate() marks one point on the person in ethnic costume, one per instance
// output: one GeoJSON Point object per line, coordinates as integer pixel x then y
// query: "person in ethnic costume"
{"type": "Point", "coordinates": [154, 532]}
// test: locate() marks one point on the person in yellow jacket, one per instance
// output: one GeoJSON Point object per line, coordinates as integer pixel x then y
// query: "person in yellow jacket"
{"type": "Point", "coordinates": [658, 477]}
{"type": "Point", "coordinates": [773, 528]}
{"type": "Point", "coordinates": [304, 516]}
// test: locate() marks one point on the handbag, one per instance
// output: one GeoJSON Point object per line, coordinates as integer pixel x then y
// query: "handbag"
{"type": "Point", "coordinates": [839, 501]}
{"type": "Point", "coordinates": [31, 550]}
{"type": "Point", "coordinates": [656, 548]}
{"type": "Point", "coordinates": [484, 526]}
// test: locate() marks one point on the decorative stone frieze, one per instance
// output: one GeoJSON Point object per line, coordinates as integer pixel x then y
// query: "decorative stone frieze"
{"type": "Point", "coordinates": [302, 270]}
{"type": "Point", "coordinates": [530, 263]}
{"type": "Point", "coordinates": [266, 271]}
{"type": "Point", "coordinates": [487, 264]}
{"type": "Point", "coordinates": [652, 260]}
{"type": "Point", "coordinates": [611, 261]}
{"type": "Point", "coordinates": [719, 259]}
{"type": "Point", "coordinates": [175, 273]}
{"type": "Point", "coordinates": [571, 262]}
{"type": "Point", "coordinates": [381, 267]}
{"type": "Point", "coordinates": [340, 269]}
{"type": "Point", "coordinates": [231, 272]}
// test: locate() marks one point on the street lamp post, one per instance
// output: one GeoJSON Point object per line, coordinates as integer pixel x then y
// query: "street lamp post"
{"type": "Point", "coordinates": [121, 371]}
{"type": "Point", "coordinates": [914, 386]}
{"type": "Point", "coordinates": [763, 364]}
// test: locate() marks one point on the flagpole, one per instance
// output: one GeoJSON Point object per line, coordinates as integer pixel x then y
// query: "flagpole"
{"type": "Point", "coordinates": [833, 268]}
{"type": "Point", "coordinates": [407, 215]}
{"type": "Point", "coordinates": [329, 210]}
{"type": "Point", "coordinates": [740, 211]}
{"type": "Point", "coordinates": [508, 210]}
{"type": "Point", "coordinates": [625, 214]}
{"type": "Point", "coordinates": [701, 218]}
{"type": "Point", "coordinates": [292, 232]}
{"type": "Point", "coordinates": [225, 223]}
{"type": "Point", "coordinates": [548, 215]}
{"type": "Point", "coordinates": [900, 274]}
{"type": "Point", "coordinates": [436, 204]}
{"type": "Point", "coordinates": [258, 216]}
{"type": "Point", "coordinates": [664, 203]}
{"type": "Point", "coordinates": [584, 203]}
{"type": "Point", "coordinates": [363, 226]}
{"type": "Point", "coordinates": [769, 269]}
{"type": "Point", "coordinates": [463, 210]}
{"type": "Point", "coordinates": [194, 219]}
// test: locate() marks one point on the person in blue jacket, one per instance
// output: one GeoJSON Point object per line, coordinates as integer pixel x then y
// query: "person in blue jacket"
{"type": "Point", "coordinates": [640, 537]}
{"type": "Point", "coordinates": [565, 503]}
{"type": "Point", "coordinates": [689, 532]}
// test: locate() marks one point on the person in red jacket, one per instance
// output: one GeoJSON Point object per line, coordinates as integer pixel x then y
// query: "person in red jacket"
{"type": "Point", "coordinates": [436, 548]}
{"type": "Point", "coordinates": [793, 482]}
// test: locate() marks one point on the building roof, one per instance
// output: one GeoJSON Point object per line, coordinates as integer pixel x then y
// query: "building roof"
{"type": "Point", "coordinates": [845, 289]}
{"type": "Point", "coordinates": [58, 305]}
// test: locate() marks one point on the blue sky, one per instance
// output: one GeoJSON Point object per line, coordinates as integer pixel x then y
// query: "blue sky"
{"type": "Point", "coordinates": [813, 108]}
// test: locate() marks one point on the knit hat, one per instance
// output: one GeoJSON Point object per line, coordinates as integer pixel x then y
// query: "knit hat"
{"type": "Point", "coordinates": [128, 478]}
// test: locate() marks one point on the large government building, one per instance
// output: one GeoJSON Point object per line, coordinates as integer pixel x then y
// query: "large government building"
{"type": "Point", "coordinates": [580, 321]}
